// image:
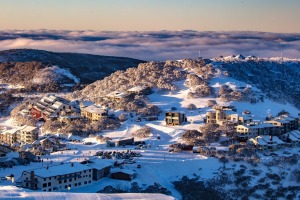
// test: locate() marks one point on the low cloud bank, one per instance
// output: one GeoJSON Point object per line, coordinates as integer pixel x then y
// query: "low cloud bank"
{"type": "Point", "coordinates": [158, 45]}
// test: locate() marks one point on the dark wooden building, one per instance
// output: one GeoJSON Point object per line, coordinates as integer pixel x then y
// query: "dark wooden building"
{"type": "Point", "coordinates": [122, 174]}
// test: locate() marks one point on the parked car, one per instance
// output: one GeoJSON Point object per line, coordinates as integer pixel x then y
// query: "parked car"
{"type": "Point", "coordinates": [129, 161]}
{"type": "Point", "coordinates": [87, 143]}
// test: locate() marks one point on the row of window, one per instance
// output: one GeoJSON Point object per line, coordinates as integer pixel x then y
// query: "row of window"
{"type": "Point", "coordinates": [66, 186]}
{"type": "Point", "coordinates": [63, 176]}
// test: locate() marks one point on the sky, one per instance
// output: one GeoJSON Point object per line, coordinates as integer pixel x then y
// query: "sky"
{"type": "Point", "coordinates": [151, 15]}
{"type": "Point", "coordinates": [153, 29]}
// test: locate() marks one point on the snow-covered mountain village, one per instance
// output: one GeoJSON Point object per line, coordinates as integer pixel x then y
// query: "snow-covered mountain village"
{"type": "Point", "coordinates": [162, 130]}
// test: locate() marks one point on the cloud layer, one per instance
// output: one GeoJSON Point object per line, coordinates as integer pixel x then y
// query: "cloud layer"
{"type": "Point", "coordinates": [159, 45]}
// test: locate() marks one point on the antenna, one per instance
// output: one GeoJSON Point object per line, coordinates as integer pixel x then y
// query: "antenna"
{"type": "Point", "coordinates": [199, 54]}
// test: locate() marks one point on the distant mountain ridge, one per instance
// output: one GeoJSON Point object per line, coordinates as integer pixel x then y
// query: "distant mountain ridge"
{"type": "Point", "coordinates": [87, 67]}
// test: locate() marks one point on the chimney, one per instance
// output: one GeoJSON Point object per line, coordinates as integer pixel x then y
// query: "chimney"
{"type": "Point", "coordinates": [32, 180]}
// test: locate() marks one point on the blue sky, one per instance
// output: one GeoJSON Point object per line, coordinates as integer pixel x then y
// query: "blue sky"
{"type": "Point", "coordinates": [149, 15]}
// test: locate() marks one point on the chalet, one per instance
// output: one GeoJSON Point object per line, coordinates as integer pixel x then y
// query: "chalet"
{"type": "Point", "coordinates": [140, 90]}
{"type": "Point", "coordinates": [57, 177]}
{"type": "Point", "coordinates": [122, 174]}
{"type": "Point", "coordinates": [94, 112]}
{"type": "Point", "coordinates": [117, 96]}
{"type": "Point", "coordinates": [175, 118]}
{"type": "Point", "coordinates": [265, 142]}
{"type": "Point", "coordinates": [124, 141]}
{"type": "Point", "coordinates": [50, 106]}
{"type": "Point", "coordinates": [292, 137]}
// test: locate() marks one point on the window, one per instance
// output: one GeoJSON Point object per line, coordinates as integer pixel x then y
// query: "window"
{"type": "Point", "coordinates": [49, 178]}
{"type": "Point", "coordinates": [49, 190]}
{"type": "Point", "coordinates": [59, 182]}
{"type": "Point", "coordinates": [70, 180]}
{"type": "Point", "coordinates": [44, 185]}
{"type": "Point", "coordinates": [89, 175]}
{"type": "Point", "coordinates": [66, 186]}
{"type": "Point", "coordinates": [75, 184]}
{"type": "Point", "coordinates": [44, 179]}
{"type": "Point", "coordinates": [90, 181]}
{"type": "Point", "coordinates": [65, 181]}
{"type": "Point", "coordinates": [49, 184]}
{"type": "Point", "coordinates": [85, 182]}
{"type": "Point", "coordinates": [79, 183]}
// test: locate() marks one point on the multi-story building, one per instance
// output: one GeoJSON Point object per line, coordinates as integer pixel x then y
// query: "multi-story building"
{"type": "Point", "coordinates": [56, 178]}
{"type": "Point", "coordinates": [50, 106]}
{"type": "Point", "coordinates": [175, 118]}
{"type": "Point", "coordinates": [251, 130]}
{"type": "Point", "coordinates": [9, 136]}
{"type": "Point", "coordinates": [266, 142]}
{"type": "Point", "coordinates": [285, 123]}
{"type": "Point", "coordinates": [222, 115]}
{"type": "Point", "coordinates": [28, 134]}
{"type": "Point", "coordinates": [23, 134]}
{"type": "Point", "coordinates": [94, 112]}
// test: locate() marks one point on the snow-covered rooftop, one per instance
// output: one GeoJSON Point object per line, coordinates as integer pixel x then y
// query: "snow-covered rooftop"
{"type": "Point", "coordinates": [137, 89]}
{"type": "Point", "coordinates": [60, 169]}
{"type": "Point", "coordinates": [95, 109]}
{"type": "Point", "coordinates": [10, 192]}
{"type": "Point", "coordinates": [29, 128]}
{"type": "Point", "coordinates": [126, 171]}
{"type": "Point", "coordinates": [99, 163]}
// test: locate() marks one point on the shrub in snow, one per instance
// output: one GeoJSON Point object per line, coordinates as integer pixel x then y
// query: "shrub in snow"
{"type": "Point", "coordinates": [295, 175]}
{"type": "Point", "coordinates": [211, 103]}
{"type": "Point", "coordinates": [102, 139]}
{"type": "Point", "coordinates": [24, 120]}
{"type": "Point", "coordinates": [143, 132]}
{"type": "Point", "coordinates": [201, 91]}
{"type": "Point", "coordinates": [210, 133]}
{"type": "Point", "coordinates": [191, 136]}
{"type": "Point", "coordinates": [122, 117]}
{"type": "Point", "coordinates": [193, 80]}
{"type": "Point", "coordinates": [191, 106]}
{"type": "Point", "coordinates": [150, 110]}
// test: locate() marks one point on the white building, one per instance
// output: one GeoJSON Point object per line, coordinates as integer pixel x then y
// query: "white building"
{"type": "Point", "coordinates": [56, 178]}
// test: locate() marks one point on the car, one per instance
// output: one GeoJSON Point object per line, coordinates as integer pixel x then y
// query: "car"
{"type": "Point", "coordinates": [129, 161]}
{"type": "Point", "coordinates": [87, 143]}
{"type": "Point", "coordinates": [3, 178]}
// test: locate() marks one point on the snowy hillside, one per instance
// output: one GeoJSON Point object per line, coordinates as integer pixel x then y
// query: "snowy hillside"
{"type": "Point", "coordinates": [88, 68]}
{"type": "Point", "coordinates": [158, 165]}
